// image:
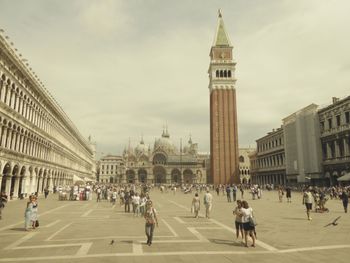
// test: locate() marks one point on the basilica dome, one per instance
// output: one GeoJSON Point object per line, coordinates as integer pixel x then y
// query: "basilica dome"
{"type": "Point", "coordinates": [165, 144]}
{"type": "Point", "coordinates": [141, 148]}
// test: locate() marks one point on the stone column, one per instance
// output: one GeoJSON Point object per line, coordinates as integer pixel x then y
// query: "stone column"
{"type": "Point", "coordinates": [8, 185]}
{"type": "Point", "coordinates": [337, 150]}
{"type": "Point", "coordinates": [346, 146]}
{"type": "Point", "coordinates": [24, 189]}
{"type": "Point", "coordinates": [16, 188]}
{"type": "Point", "coordinates": [40, 185]}
{"type": "Point", "coordinates": [50, 184]}
{"type": "Point", "coordinates": [0, 181]}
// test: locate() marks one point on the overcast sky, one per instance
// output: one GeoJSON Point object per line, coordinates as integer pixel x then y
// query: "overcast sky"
{"type": "Point", "coordinates": [121, 69]}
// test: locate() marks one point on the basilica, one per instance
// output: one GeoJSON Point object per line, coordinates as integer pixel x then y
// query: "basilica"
{"type": "Point", "coordinates": [164, 163]}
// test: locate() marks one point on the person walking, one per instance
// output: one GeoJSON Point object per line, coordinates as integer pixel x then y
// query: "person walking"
{"type": "Point", "coordinates": [345, 198]}
{"type": "Point", "coordinates": [247, 214]}
{"type": "Point", "coordinates": [234, 192]}
{"type": "Point", "coordinates": [151, 221]}
{"type": "Point", "coordinates": [46, 192]}
{"type": "Point", "coordinates": [28, 215]}
{"type": "Point", "coordinates": [307, 201]}
{"type": "Point", "coordinates": [3, 201]}
{"type": "Point", "coordinates": [280, 194]}
{"type": "Point", "coordinates": [238, 220]}
{"type": "Point", "coordinates": [196, 203]}
{"type": "Point", "coordinates": [34, 212]}
{"type": "Point", "coordinates": [208, 202]}
{"type": "Point", "coordinates": [289, 194]}
{"type": "Point", "coordinates": [127, 202]}
{"type": "Point", "coordinates": [228, 193]}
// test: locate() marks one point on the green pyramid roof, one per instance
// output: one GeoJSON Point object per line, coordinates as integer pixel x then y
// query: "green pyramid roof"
{"type": "Point", "coordinates": [221, 37]}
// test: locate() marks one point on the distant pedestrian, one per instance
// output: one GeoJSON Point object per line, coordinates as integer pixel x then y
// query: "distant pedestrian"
{"type": "Point", "coordinates": [280, 194]}
{"type": "Point", "coordinates": [3, 201]}
{"type": "Point", "coordinates": [228, 193]}
{"type": "Point", "coordinates": [234, 192]}
{"type": "Point", "coordinates": [196, 204]}
{"type": "Point", "coordinates": [151, 221]}
{"type": "Point", "coordinates": [289, 194]}
{"type": "Point", "coordinates": [345, 198]}
{"type": "Point", "coordinates": [208, 202]}
{"type": "Point", "coordinates": [46, 192]}
{"type": "Point", "coordinates": [34, 212]}
{"type": "Point", "coordinates": [242, 191]}
{"type": "Point", "coordinates": [28, 215]}
{"type": "Point", "coordinates": [307, 201]}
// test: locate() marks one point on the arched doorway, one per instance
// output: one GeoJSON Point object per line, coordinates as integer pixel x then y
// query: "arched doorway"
{"type": "Point", "coordinates": [6, 173]}
{"type": "Point", "coordinates": [142, 176]}
{"type": "Point", "coordinates": [188, 176]}
{"type": "Point", "coordinates": [130, 176]}
{"type": "Point", "coordinates": [111, 180]}
{"type": "Point", "coordinates": [159, 175]}
{"type": "Point", "coordinates": [175, 176]}
{"type": "Point", "coordinates": [159, 158]}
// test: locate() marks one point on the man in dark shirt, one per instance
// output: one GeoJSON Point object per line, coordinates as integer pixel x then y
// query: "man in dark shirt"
{"type": "Point", "coordinates": [345, 198]}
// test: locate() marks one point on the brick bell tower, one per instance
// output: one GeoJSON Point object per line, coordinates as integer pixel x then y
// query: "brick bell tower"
{"type": "Point", "coordinates": [223, 110]}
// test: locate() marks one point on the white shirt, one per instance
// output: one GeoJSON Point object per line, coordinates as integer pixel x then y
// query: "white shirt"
{"type": "Point", "coordinates": [136, 200]}
{"type": "Point", "coordinates": [247, 213]}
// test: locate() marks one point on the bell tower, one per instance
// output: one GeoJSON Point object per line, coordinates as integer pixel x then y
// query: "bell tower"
{"type": "Point", "coordinates": [223, 110]}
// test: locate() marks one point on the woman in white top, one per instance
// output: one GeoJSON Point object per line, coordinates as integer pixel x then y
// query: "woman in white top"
{"type": "Point", "coordinates": [247, 213]}
{"type": "Point", "coordinates": [238, 221]}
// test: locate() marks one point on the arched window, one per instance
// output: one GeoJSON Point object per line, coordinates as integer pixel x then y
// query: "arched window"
{"type": "Point", "coordinates": [229, 73]}
{"type": "Point", "coordinates": [221, 74]}
{"type": "Point", "coordinates": [225, 73]}
{"type": "Point", "coordinates": [217, 74]}
{"type": "Point", "coordinates": [241, 159]}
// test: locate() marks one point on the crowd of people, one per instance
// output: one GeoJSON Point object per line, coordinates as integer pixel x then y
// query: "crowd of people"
{"type": "Point", "coordinates": [136, 199]}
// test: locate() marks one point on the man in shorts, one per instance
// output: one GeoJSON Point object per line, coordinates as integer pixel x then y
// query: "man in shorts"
{"type": "Point", "coordinates": [307, 200]}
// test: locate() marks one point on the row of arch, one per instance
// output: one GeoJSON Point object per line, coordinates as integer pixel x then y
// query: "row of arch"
{"type": "Point", "coordinates": [17, 138]}
{"type": "Point", "coordinates": [21, 98]}
{"type": "Point", "coordinates": [159, 176]}
{"type": "Point", "coordinates": [223, 73]}
{"type": "Point", "coordinates": [17, 180]}
{"type": "Point", "coordinates": [24, 103]}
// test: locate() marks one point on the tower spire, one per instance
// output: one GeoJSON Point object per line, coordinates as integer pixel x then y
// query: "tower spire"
{"type": "Point", "coordinates": [221, 37]}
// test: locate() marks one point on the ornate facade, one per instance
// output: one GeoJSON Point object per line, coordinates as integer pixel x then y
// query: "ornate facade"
{"type": "Point", "coordinates": [244, 164]}
{"type": "Point", "coordinates": [39, 145]}
{"type": "Point", "coordinates": [335, 139]}
{"type": "Point", "coordinates": [163, 163]}
{"type": "Point", "coordinates": [223, 111]}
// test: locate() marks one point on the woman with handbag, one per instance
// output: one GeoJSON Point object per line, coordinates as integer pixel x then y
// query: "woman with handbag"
{"type": "Point", "coordinates": [248, 223]}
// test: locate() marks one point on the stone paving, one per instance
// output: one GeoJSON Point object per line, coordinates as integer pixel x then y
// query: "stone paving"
{"type": "Point", "coordinates": [81, 231]}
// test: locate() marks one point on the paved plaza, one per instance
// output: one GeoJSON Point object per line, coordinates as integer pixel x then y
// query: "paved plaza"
{"type": "Point", "coordinates": [82, 231]}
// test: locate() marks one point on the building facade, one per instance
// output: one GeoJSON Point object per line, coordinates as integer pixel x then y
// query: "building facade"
{"type": "Point", "coordinates": [39, 145]}
{"type": "Point", "coordinates": [223, 111]}
{"type": "Point", "coordinates": [303, 147]}
{"type": "Point", "coordinates": [163, 163]}
{"type": "Point", "coordinates": [268, 164]}
{"type": "Point", "coordinates": [335, 139]}
{"type": "Point", "coordinates": [111, 167]}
